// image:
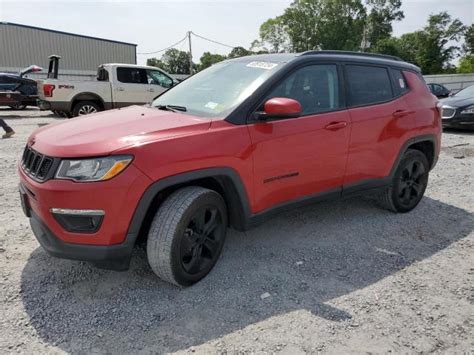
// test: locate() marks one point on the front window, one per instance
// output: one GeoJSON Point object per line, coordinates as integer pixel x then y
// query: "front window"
{"type": "Point", "coordinates": [216, 91]}
{"type": "Point", "coordinates": [156, 77]}
{"type": "Point", "coordinates": [467, 92]}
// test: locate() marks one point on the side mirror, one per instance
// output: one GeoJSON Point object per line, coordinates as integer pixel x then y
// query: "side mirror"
{"type": "Point", "coordinates": [279, 108]}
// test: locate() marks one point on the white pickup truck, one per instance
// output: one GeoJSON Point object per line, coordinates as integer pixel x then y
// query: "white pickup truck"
{"type": "Point", "coordinates": [116, 85]}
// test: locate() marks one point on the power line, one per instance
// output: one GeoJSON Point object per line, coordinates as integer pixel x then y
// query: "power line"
{"type": "Point", "coordinates": [184, 39]}
{"type": "Point", "coordinates": [211, 40]}
{"type": "Point", "coordinates": [165, 49]}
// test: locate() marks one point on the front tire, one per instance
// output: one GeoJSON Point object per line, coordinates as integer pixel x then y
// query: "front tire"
{"type": "Point", "coordinates": [187, 235]}
{"type": "Point", "coordinates": [408, 183]}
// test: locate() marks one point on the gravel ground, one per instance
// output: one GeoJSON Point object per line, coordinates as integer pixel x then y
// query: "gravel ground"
{"type": "Point", "coordinates": [333, 277]}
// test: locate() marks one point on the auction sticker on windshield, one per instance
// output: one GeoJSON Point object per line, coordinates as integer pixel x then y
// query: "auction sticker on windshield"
{"type": "Point", "coordinates": [262, 65]}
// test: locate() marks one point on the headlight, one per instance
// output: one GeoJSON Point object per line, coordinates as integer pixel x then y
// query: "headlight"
{"type": "Point", "coordinates": [468, 110]}
{"type": "Point", "coordinates": [95, 169]}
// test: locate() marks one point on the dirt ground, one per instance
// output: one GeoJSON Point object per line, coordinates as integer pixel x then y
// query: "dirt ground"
{"type": "Point", "coordinates": [335, 277]}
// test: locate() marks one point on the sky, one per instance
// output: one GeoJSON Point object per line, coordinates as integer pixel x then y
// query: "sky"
{"type": "Point", "coordinates": [154, 25]}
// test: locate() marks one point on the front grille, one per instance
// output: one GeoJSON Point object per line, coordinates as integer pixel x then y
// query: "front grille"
{"type": "Point", "coordinates": [36, 164]}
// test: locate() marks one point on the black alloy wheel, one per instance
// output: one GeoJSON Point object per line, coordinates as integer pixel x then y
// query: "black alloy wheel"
{"type": "Point", "coordinates": [202, 240]}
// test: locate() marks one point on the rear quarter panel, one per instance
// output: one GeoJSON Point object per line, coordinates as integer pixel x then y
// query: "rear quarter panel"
{"type": "Point", "coordinates": [422, 104]}
{"type": "Point", "coordinates": [66, 91]}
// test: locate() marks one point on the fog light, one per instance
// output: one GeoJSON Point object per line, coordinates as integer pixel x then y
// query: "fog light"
{"type": "Point", "coordinates": [78, 221]}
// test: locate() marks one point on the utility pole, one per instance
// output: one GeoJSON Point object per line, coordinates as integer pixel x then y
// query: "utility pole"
{"type": "Point", "coordinates": [190, 54]}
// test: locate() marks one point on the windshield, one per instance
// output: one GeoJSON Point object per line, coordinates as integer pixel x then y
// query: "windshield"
{"type": "Point", "coordinates": [216, 91]}
{"type": "Point", "coordinates": [467, 92]}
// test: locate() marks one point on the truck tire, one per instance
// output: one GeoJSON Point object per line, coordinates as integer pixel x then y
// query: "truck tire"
{"type": "Point", "coordinates": [83, 108]}
{"type": "Point", "coordinates": [187, 235]}
{"type": "Point", "coordinates": [408, 183]}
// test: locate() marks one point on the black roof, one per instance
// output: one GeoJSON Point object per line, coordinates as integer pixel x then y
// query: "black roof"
{"type": "Point", "coordinates": [65, 33]}
{"type": "Point", "coordinates": [361, 57]}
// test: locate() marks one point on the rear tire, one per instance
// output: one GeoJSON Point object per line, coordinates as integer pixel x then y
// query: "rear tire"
{"type": "Point", "coordinates": [408, 183]}
{"type": "Point", "coordinates": [83, 108]}
{"type": "Point", "coordinates": [187, 235]}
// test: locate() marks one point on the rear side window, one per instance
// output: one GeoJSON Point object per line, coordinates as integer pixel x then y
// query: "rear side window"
{"type": "Point", "coordinates": [400, 84]}
{"type": "Point", "coordinates": [368, 85]}
{"type": "Point", "coordinates": [132, 75]}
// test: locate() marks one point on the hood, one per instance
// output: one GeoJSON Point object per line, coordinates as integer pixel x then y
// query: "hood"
{"type": "Point", "coordinates": [458, 101]}
{"type": "Point", "coordinates": [105, 132]}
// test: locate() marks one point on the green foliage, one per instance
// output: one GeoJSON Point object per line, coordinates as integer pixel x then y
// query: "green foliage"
{"type": "Point", "coordinates": [432, 48]}
{"type": "Point", "coordinates": [207, 59]}
{"type": "Point", "coordinates": [469, 40]}
{"type": "Point", "coordinates": [173, 61]}
{"type": "Point", "coordinates": [239, 52]}
{"type": "Point", "coordinates": [466, 64]}
{"type": "Point", "coordinates": [330, 24]}
{"type": "Point", "coordinates": [274, 33]}
{"type": "Point", "coordinates": [380, 17]}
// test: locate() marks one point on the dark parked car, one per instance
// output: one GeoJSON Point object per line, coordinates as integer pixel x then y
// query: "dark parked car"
{"type": "Point", "coordinates": [438, 90]}
{"type": "Point", "coordinates": [17, 91]}
{"type": "Point", "coordinates": [458, 110]}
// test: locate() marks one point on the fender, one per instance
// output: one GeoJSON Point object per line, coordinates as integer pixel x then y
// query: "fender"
{"type": "Point", "coordinates": [87, 96]}
{"type": "Point", "coordinates": [418, 139]}
{"type": "Point", "coordinates": [236, 196]}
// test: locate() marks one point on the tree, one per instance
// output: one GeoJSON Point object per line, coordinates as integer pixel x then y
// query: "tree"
{"type": "Point", "coordinates": [155, 62]}
{"type": "Point", "coordinates": [207, 59]}
{"type": "Point", "coordinates": [442, 34]}
{"type": "Point", "coordinates": [274, 33]}
{"type": "Point", "coordinates": [466, 64]}
{"type": "Point", "coordinates": [330, 24]}
{"type": "Point", "coordinates": [239, 52]}
{"type": "Point", "coordinates": [469, 40]}
{"type": "Point", "coordinates": [173, 61]}
{"type": "Point", "coordinates": [379, 20]}
{"type": "Point", "coordinates": [432, 48]}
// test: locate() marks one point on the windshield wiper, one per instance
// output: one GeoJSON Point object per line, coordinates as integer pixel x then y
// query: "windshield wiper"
{"type": "Point", "coordinates": [173, 108]}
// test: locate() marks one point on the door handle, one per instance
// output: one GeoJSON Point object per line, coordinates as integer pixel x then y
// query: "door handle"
{"type": "Point", "coordinates": [334, 126]}
{"type": "Point", "coordinates": [150, 90]}
{"type": "Point", "coordinates": [119, 89]}
{"type": "Point", "coordinates": [401, 113]}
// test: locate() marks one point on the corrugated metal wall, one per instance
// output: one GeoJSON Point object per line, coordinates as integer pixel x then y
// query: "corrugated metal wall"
{"type": "Point", "coordinates": [21, 46]}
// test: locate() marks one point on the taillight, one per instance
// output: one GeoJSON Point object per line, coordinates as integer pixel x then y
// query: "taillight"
{"type": "Point", "coordinates": [48, 90]}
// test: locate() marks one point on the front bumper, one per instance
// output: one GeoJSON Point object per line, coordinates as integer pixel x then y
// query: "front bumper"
{"type": "Point", "coordinates": [111, 244]}
{"type": "Point", "coordinates": [459, 121]}
{"type": "Point", "coordinates": [114, 257]}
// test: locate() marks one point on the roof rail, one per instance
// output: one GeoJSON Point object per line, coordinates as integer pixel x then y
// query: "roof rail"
{"type": "Point", "coordinates": [361, 54]}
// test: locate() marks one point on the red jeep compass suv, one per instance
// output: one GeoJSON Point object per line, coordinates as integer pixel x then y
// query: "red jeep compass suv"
{"type": "Point", "coordinates": [229, 146]}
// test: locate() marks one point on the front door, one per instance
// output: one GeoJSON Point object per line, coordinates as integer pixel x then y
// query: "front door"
{"type": "Point", "coordinates": [307, 155]}
{"type": "Point", "coordinates": [158, 83]}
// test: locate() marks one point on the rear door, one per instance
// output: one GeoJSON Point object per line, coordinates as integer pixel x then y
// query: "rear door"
{"type": "Point", "coordinates": [131, 87]}
{"type": "Point", "coordinates": [381, 121]}
{"type": "Point", "coordinates": [297, 157]}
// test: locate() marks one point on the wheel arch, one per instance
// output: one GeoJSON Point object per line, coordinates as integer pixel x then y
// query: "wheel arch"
{"type": "Point", "coordinates": [87, 96]}
{"type": "Point", "coordinates": [225, 181]}
{"type": "Point", "coordinates": [425, 143]}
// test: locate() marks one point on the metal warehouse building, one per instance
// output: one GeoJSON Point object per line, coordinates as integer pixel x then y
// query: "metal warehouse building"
{"type": "Point", "coordinates": [22, 46]}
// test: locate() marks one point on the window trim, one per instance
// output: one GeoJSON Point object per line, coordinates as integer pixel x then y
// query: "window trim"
{"type": "Point", "coordinates": [346, 81]}
{"type": "Point", "coordinates": [340, 84]}
{"type": "Point", "coordinates": [124, 82]}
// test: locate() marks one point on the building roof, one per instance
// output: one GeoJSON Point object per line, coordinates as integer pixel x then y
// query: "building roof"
{"type": "Point", "coordinates": [65, 33]}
